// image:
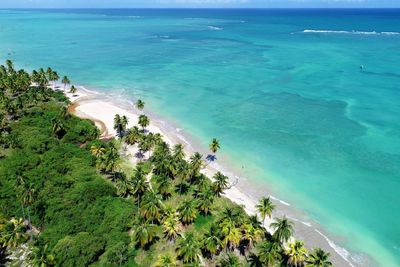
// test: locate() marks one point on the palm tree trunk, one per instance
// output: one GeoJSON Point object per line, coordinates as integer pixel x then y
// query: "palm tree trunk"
{"type": "Point", "coordinates": [23, 211]}
{"type": "Point", "coordinates": [29, 222]}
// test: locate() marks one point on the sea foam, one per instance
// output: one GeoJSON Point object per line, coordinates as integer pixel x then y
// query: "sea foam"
{"type": "Point", "coordinates": [352, 32]}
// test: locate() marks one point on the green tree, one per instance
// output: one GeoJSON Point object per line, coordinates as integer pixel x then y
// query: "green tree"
{"type": "Point", "coordinates": [221, 182]}
{"type": "Point", "coordinates": [296, 254]}
{"type": "Point", "coordinates": [144, 233]}
{"type": "Point", "coordinates": [230, 260]}
{"type": "Point", "coordinates": [188, 248]}
{"type": "Point", "coordinates": [73, 89]}
{"type": "Point", "coordinates": [41, 257]}
{"type": "Point", "coordinates": [151, 206]}
{"type": "Point", "coordinates": [283, 229]}
{"type": "Point", "coordinates": [187, 211]}
{"type": "Point", "coordinates": [65, 80]}
{"type": "Point", "coordinates": [318, 258]}
{"type": "Point", "coordinates": [214, 146]}
{"type": "Point", "coordinates": [143, 121]}
{"type": "Point", "coordinates": [265, 208]}
{"type": "Point", "coordinates": [269, 253]}
{"type": "Point", "coordinates": [211, 243]}
{"type": "Point", "coordinates": [166, 260]}
{"type": "Point", "coordinates": [139, 104]}
{"type": "Point", "coordinates": [171, 225]}
{"type": "Point", "coordinates": [13, 233]}
{"type": "Point", "coordinates": [205, 200]}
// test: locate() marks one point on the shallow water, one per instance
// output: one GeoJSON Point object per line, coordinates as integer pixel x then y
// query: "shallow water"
{"type": "Point", "coordinates": [308, 101]}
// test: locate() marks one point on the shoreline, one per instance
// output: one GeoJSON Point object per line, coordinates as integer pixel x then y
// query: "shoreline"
{"type": "Point", "coordinates": [101, 108]}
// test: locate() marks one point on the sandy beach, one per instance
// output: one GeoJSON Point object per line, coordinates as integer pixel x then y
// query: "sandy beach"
{"type": "Point", "coordinates": [101, 109]}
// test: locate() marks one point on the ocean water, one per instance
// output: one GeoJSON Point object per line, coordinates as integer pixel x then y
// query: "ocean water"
{"type": "Point", "coordinates": [308, 101]}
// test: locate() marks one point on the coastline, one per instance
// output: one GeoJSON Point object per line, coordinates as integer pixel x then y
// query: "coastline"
{"type": "Point", "coordinates": [101, 108]}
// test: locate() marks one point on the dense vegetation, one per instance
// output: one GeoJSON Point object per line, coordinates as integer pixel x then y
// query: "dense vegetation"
{"type": "Point", "coordinates": [70, 199]}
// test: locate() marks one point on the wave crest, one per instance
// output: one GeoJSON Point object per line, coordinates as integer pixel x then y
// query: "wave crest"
{"type": "Point", "coordinates": [352, 32]}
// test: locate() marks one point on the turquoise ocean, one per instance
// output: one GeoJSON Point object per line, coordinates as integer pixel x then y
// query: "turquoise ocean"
{"type": "Point", "coordinates": [308, 101]}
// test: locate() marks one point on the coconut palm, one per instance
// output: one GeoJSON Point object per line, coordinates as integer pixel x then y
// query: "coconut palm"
{"type": "Point", "coordinates": [283, 229]}
{"type": "Point", "coordinates": [73, 90]}
{"type": "Point", "coordinates": [58, 126]}
{"type": "Point", "coordinates": [265, 208]}
{"type": "Point", "coordinates": [171, 225]}
{"type": "Point", "coordinates": [133, 136]}
{"type": "Point", "coordinates": [214, 146]}
{"type": "Point", "coordinates": [143, 121]}
{"type": "Point", "coordinates": [139, 104]}
{"type": "Point", "coordinates": [97, 150]}
{"type": "Point", "coordinates": [41, 257]}
{"type": "Point", "coordinates": [211, 243]}
{"type": "Point", "coordinates": [118, 125]}
{"type": "Point", "coordinates": [188, 248]}
{"type": "Point", "coordinates": [124, 122]}
{"type": "Point", "coordinates": [269, 253]}
{"type": "Point", "coordinates": [166, 260]}
{"type": "Point", "coordinates": [251, 234]}
{"type": "Point", "coordinates": [187, 211]}
{"type": "Point", "coordinates": [65, 81]}
{"type": "Point", "coordinates": [196, 162]}
{"type": "Point", "coordinates": [230, 233]}
{"type": "Point", "coordinates": [220, 183]}
{"type": "Point", "coordinates": [13, 234]}
{"type": "Point", "coordinates": [230, 260]}
{"type": "Point", "coordinates": [151, 206]}
{"type": "Point", "coordinates": [52, 76]}
{"type": "Point", "coordinates": [144, 233]}
{"type": "Point", "coordinates": [139, 183]}
{"type": "Point", "coordinates": [297, 254]}
{"type": "Point", "coordinates": [124, 185]}
{"type": "Point", "coordinates": [164, 185]}
{"type": "Point", "coordinates": [318, 258]}
{"type": "Point", "coordinates": [205, 200]}
{"type": "Point", "coordinates": [254, 260]}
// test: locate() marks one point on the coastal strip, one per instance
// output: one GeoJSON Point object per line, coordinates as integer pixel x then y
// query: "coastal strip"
{"type": "Point", "coordinates": [101, 109]}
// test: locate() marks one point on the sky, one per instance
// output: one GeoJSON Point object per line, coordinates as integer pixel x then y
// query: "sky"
{"type": "Point", "coordinates": [195, 3]}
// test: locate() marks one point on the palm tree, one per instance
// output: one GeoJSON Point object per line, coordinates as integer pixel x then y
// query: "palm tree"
{"type": "Point", "coordinates": [251, 234]}
{"type": "Point", "coordinates": [139, 105]}
{"type": "Point", "coordinates": [13, 234]}
{"type": "Point", "coordinates": [139, 184]}
{"type": "Point", "coordinates": [143, 121]}
{"type": "Point", "coordinates": [144, 233]}
{"type": "Point", "coordinates": [164, 185]}
{"type": "Point", "coordinates": [265, 208]}
{"type": "Point", "coordinates": [231, 234]}
{"type": "Point", "coordinates": [41, 257]}
{"type": "Point", "coordinates": [283, 229]}
{"type": "Point", "coordinates": [187, 211]}
{"type": "Point", "coordinates": [211, 243]}
{"type": "Point", "coordinates": [52, 76]}
{"type": "Point", "coordinates": [297, 254]}
{"type": "Point", "coordinates": [124, 186]}
{"type": "Point", "coordinates": [171, 225]}
{"type": "Point", "coordinates": [73, 90]}
{"type": "Point", "coordinates": [196, 162]}
{"type": "Point", "coordinates": [230, 260]}
{"type": "Point", "coordinates": [255, 261]}
{"type": "Point", "coordinates": [58, 127]}
{"type": "Point", "coordinates": [188, 248]}
{"type": "Point", "coordinates": [269, 253]}
{"type": "Point", "coordinates": [97, 150]}
{"type": "Point", "coordinates": [214, 146]}
{"type": "Point", "coordinates": [151, 206]}
{"type": "Point", "coordinates": [65, 81]}
{"type": "Point", "coordinates": [133, 136]}
{"type": "Point", "coordinates": [118, 125]}
{"type": "Point", "coordinates": [221, 183]}
{"type": "Point", "coordinates": [166, 260]}
{"type": "Point", "coordinates": [124, 122]}
{"type": "Point", "coordinates": [318, 258]}
{"type": "Point", "coordinates": [205, 200]}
